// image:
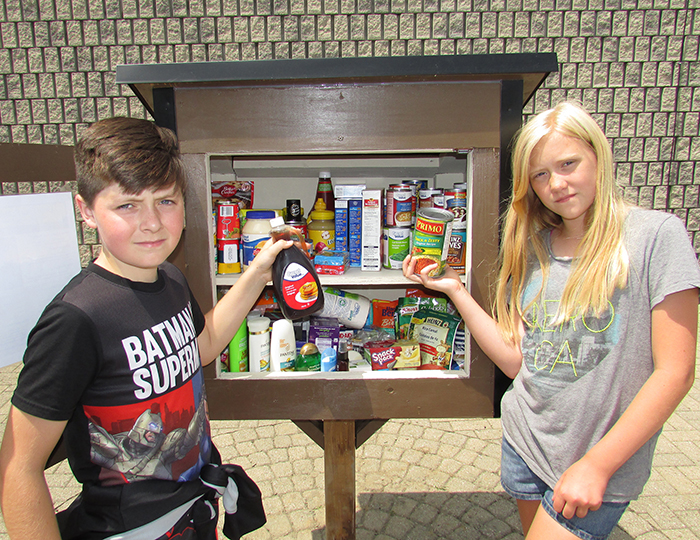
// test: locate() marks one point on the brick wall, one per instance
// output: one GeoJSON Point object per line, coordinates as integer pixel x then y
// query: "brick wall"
{"type": "Point", "coordinates": [632, 63]}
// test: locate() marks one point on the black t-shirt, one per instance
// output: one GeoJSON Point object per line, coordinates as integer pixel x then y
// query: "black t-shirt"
{"type": "Point", "coordinates": [119, 361]}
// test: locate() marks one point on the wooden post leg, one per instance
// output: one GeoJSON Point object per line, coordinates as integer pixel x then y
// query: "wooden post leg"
{"type": "Point", "coordinates": [339, 460]}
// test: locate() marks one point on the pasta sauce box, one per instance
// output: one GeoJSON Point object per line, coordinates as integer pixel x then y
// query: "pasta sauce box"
{"type": "Point", "coordinates": [371, 257]}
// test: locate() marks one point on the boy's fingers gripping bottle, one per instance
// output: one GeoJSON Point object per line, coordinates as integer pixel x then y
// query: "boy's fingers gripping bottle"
{"type": "Point", "coordinates": [294, 277]}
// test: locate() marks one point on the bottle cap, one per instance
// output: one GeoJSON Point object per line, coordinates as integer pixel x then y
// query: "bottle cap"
{"type": "Point", "coordinates": [260, 214]}
{"type": "Point", "coordinates": [324, 174]}
{"type": "Point", "coordinates": [258, 324]}
{"type": "Point", "coordinates": [320, 213]}
{"type": "Point", "coordinates": [276, 222]}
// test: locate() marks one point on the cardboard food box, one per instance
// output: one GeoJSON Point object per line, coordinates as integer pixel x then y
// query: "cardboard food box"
{"type": "Point", "coordinates": [386, 355]}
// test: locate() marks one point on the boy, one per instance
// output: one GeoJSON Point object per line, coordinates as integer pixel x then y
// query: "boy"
{"type": "Point", "coordinates": [114, 362]}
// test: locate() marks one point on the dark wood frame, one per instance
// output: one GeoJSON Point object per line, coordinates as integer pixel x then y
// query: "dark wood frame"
{"type": "Point", "coordinates": [336, 106]}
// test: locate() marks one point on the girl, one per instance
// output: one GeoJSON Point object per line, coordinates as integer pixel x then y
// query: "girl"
{"type": "Point", "coordinates": [595, 320]}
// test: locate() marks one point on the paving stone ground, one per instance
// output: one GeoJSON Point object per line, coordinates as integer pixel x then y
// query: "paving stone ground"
{"type": "Point", "coordinates": [424, 479]}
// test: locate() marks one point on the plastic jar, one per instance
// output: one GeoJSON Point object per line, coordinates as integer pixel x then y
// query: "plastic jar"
{"type": "Point", "coordinates": [255, 233]}
{"type": "Point", "coordinates": [321, 227]}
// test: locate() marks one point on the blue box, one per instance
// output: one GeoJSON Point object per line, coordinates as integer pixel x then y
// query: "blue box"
{"type": "Point", "coordinates": [341, 224]}
{"type": "Point", "coordinates": [355, 231]}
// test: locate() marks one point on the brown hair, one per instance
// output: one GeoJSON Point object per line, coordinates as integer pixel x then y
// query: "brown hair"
{"type": "Point", "coordinates": [133, 153]}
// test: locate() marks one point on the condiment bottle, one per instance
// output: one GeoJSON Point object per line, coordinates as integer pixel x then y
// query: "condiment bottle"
{"type": "Point", "coordinates": [294, 278]}
{"type": "Point", "coordinates": [255, 233]}
{"type": "Point", "coordinates": [294, 216]}
{"type": "Point", "coordinates": [322, 227]}
{"type": "Point", "coordinates": [324, 190]}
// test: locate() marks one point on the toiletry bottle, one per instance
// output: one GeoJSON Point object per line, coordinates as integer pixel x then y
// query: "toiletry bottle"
{"type": "Point", "coordinates": [238, 350]}
{"type": "Point", "coordinates": [309, 358]}
{"type": "Point", "coordinates": [294, 278]}
{"type": "Point", "coordinates": [342, 359]}
{"type": "Point", "coordinates": [329, 360]}
{"type": "Point", "coordinates": [259, 344]}
{"type": "Point", "coordinates": [283, 348]}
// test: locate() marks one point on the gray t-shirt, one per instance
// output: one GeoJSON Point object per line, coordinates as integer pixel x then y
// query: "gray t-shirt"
{"type": "Point", "coordinates": [578, 378]}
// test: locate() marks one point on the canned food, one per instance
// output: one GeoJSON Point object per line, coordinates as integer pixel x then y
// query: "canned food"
{"type": "Point", "coordinates": [228, 223]}
{"type": "Point", "coordinates": [227, 256]}
{"type": "Point", "coordinates": [430, 198]}
{"type": "Point", "coordinates": [456, 202]}
{"type": "Point", "coordinates": [457, 252]}
{"type": "Point", "coordinates": [399, 206]}
{"type": "Point", "coordinates": [396, 241]}
{"type": "Point", "coordinates": [431, 239]}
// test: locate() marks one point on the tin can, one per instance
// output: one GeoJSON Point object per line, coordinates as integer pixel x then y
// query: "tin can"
{"type": "Point", "coordinates": [457, 252]}
{"type": "Point", "coordinates": [396, 241]}
{"type": "Point", "coordinates": [228, 256]}
{"type": "Point", "coordinates": [431, 239]}
{"type": "Point", "coordinates": [431, 198]}
{"type": "Point", "coordinates": [420, 184]}
{"type": "Point", "coordinates": [399, 206]}
{"type": "Point", "coordinates": [456, 202]}
{"type": "Point", "coordinates": [228, 222]}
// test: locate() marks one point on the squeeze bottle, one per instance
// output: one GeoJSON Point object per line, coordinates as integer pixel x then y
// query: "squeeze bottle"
{"type": "Point", "coordinates": [283, 348]}
{"type": "Point", "coordinates": [294, 278]}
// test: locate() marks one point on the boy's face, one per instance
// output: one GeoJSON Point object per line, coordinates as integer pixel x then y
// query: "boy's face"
{"type": "Point", "coordinates": [138, 232]}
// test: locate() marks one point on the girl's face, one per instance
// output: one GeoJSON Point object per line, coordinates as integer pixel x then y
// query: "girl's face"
{"type": "Point", "coordinates": [563, 176]}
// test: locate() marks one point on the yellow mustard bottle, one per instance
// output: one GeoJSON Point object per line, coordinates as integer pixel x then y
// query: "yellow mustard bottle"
{"type": "Point", "coordinates": [321, 227]}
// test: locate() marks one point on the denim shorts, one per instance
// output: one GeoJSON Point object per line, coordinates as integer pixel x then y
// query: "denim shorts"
{"type": "Point", "coordinates": [521, 483]}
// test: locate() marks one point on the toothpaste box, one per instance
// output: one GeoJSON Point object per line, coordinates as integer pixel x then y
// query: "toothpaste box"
{"type": "Point", "coordinates": [355, 231]}
{"type": "Point", "coordinates": [371, 256]}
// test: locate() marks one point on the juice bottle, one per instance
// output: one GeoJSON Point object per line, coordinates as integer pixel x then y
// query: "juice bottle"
{"type": "Point", "coordinates": [294, 278]}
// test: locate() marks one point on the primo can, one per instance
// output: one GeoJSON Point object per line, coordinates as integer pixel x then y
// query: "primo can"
{"type": "Point", "coordinates": [431, 239]}
{"type": "Point", "coordinates": [396, 241]}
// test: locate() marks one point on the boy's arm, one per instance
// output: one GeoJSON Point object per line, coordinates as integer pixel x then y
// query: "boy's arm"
{"type": "Point", "coordinates": [230, 312]}
{"type": "Point", "coordinates": [674, 323]}
{"type": "Point", "coordinates": [26, 502]}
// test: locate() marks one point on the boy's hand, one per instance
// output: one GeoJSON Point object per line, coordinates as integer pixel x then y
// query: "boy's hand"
{"type": "Point", "coordinates": [262, 263]}
{"type": "Point", "coordinates": [449, 283]}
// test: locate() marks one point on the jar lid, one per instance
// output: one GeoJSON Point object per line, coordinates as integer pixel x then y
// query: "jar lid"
{"type": "Point", "coordinates": [260, 214]}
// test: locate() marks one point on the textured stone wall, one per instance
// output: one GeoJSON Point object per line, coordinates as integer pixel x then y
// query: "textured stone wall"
{"type": "Point", "coordinates": [632, 63]}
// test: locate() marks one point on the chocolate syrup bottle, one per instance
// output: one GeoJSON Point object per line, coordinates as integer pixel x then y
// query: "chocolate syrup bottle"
{"type": "Point", "coordinates": [294, 277]}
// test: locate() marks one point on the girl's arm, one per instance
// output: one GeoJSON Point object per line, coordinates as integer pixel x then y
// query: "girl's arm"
{"type": "Point", "coordinates": [230, 312]}
{"type": "Point", "coordinates": [674, 323]}
{"type": "Point", "coordinates": [26, 502]}
{"type": "Point", "coordinates": [481, 325]}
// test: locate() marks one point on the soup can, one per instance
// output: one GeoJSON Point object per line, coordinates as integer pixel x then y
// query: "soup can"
{"type": "Point", "coordinates": [431, 198]}
{"type": "Point", "coordinates": [457, 252]}
{"type": "Point", "coordinates": [456, 202]}
{"type": "Point", "coordinates": [396, 241]}
{"type": "Point", "coordinates": [399, 206]}
{"type": "Point", "coordinates": [431, 239]}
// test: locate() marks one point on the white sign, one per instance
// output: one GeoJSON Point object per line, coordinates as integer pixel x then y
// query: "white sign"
{"type": "Point", "coordinates": [38, 256]}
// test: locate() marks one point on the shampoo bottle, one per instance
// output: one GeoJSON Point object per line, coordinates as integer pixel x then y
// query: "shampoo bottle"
{"type": "Point", "coordinates": [238, 350]}
{"type": "Point", "coordinates": [283, 348]}
{"type": "Point", "coordinates": [294, 278]}
{"type": "Point", "coordinates": [259, 344]}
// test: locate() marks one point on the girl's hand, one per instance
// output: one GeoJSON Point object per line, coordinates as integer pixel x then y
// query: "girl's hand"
{"type": "Point", "coordinates": [449, 283]}
{"type": "Point", "coordinates": [580, 489]}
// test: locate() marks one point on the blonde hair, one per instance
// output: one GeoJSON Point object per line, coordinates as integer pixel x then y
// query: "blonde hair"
{"type": "Point", "coordinates": [601, 262]}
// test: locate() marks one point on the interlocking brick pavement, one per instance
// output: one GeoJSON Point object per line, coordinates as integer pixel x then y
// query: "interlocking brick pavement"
{"type": "Point", "coordinates": [424, 479]}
